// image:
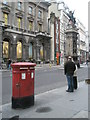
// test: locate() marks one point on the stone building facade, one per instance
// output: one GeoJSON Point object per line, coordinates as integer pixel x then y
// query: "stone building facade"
{"type": "Point", "coordinates": [54, 25]}
{"type": "Point", "coordinates": [83, 50]}
{"type": "Point", "coordinates": [61, 13]}
{"type": "Point", "coordinates": [25, 34]}
{"type": "Point", "coordinates": [55, 41]}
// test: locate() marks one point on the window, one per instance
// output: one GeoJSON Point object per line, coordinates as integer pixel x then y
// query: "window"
{"type": "Point", "coordinates": [19, 5]}
{"type": "Point", "coordinates": [41, 52]}
{"type": "Point", "coordinates": [30, 10]}
{"type": "Point", "coordinates": [19, 50]}
{"type": "Point", "coordinates": [5, 2]}
{"type": "Point", "coordinates": [5, 16]}
{"type": "Point", "coordinates": [40, 27]}
{"type": "Point", "coordinates": [40, 14]}
{"type": "Point", "coordinates": [30, 25]}
{"type": "Point", "coordinates": [5, 49]}
{"type": "Point", "coordinates": [19, 22]}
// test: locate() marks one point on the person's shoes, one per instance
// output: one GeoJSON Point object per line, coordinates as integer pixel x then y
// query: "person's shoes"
{"type": "Point", "coordinates": [67, 91]}
{"type": "Point", "coordinates": [71, 90]}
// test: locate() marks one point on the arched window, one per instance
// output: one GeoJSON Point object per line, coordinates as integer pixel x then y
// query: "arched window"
{"type": "Point", "coordinates": [41, 52]}
{"type": "Point", "coordinates": [19, 22]}
{"type": "Point", "coordinates": [5, 49]}
{"type": "Point", "coordinates": [30, 50]}
{"type": "Point", "coordinates": [5, 16]}
{"type": "Point", "coordinates": [19, 50]}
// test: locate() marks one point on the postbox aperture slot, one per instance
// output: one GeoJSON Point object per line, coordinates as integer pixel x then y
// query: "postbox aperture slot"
{"type": "Point", "coordinates": [24, 68]}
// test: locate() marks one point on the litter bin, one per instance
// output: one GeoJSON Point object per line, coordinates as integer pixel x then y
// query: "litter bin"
{"type": "Point", "coordinates": [23, 74]}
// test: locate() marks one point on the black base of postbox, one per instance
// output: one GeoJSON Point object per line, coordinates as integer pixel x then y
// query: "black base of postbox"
{"type": "Point", "coordinates": [24, 102]}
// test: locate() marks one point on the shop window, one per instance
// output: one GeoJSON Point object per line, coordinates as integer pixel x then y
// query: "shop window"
{"type": "Point", "coordinates": [41, 52]}
{"type": "Point", "coordinates": [30, 25]}
{"type": "Point", "coordinates": [5, 49]}
{"type": "Point", "coordinates": [5, 16]}
{"type": "Point", "coordinates": [30, 50]}
{"type": "Point", "coordinates": [19, 50]}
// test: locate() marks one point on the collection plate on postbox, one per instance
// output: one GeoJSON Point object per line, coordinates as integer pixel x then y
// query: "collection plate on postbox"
{"type": "Point", "coordinates": [23, 76]}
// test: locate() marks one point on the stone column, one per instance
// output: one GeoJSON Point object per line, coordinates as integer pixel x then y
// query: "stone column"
{"type": "Point", "coordinates": [24, 52]}
{"type": "Point", "coordinates": [11, 50]}
{"type": "Point", "coordinates": [47, 53]}
{"type": "Point", "coordinates": [0, 63]}
{"type": "Point", "coordinates": [27, 51]}
{"type": "Point", "coordinates": [1, 43]}
{"type": "Point", "coordinates": [14, 51]}
{"type": "Point", "coordinates": [37, 51]}
{"type": "Point", "coordinates": [44, 52]}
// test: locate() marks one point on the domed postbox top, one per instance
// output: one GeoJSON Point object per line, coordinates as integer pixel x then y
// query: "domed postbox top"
{"type": "Point", "coordinates": [21, 64]}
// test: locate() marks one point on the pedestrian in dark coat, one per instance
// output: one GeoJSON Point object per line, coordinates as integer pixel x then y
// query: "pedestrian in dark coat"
{"type": "Point", "coordinates": [69, 69]}
{"type": "Point", "coordinates": [9, 63]}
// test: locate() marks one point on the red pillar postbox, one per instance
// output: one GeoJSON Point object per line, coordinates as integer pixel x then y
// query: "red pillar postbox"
{"type": "Point", "coordinates": [23, 74]}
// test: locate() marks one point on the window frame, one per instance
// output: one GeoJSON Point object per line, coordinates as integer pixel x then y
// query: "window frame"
{"type": "Point", "coordinates": [19, 23]}
{"type": "Point", "coordinates": [4, 48]}
{"type": "Point", "coordinates": [19, 47]}
{"type": "Point", "coordinates": [39, 14]}
{"type": "Point", "coordinates": [31, 27]}
{"type": "Point", "coordinates": [5, 18]}
{"type": "Point", "coordinates": [40, 27]}
{"type": "Point", "coordinates": [30, 10]}
{"type": "Point", "coordinates": [19, 5]}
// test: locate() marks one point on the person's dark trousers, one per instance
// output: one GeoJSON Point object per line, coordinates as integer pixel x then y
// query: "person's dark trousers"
{"type": "Point", "coordinates": [70, 83]}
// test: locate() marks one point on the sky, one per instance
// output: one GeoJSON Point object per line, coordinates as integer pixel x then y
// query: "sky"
{"type": "Point", "coordinates": [81, 10]}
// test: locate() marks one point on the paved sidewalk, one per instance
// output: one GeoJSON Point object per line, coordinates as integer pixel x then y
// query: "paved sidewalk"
{"type": "Point", "coordinates": [56, 103]}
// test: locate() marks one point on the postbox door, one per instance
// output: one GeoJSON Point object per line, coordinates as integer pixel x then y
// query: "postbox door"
{"type": "Point", "coordinates": [16, 84]}
{"type": "Point", "coordinates": [26, 83]}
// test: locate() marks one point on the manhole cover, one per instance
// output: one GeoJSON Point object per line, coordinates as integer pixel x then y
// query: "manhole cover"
{"type": "Point", "coordinates": [43, 109]}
